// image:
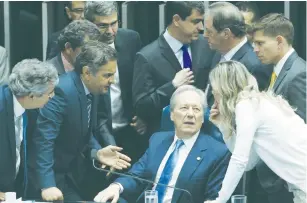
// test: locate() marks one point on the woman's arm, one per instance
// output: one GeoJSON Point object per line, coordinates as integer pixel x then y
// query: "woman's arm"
{"type": "Point", "coordinates": [247, 123]}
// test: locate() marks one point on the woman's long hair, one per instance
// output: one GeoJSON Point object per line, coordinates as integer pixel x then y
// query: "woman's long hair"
{"type": "Point", "coordinates": [232, 82]}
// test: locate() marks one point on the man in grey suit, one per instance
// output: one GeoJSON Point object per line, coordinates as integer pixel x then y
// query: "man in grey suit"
{"type": "Point", "coordinates": [179, 56]}
{"type": "Point", "coordinates": [273, 37]}
{"type": "Point", "coordinates": [70, 41]}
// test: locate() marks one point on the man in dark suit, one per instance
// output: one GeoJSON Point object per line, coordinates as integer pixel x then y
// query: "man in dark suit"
{"type": "Point", "coordinates": [64, 133]}
{"type": "Point", "coordinates": [74, 35]}
{"type": "Point", "coordinates": [116, 117]}
{"type": "Point", "coordinates": [74, 11]}
{"type": "Point", "coordinates": [273, 37]}
{"type": "Point", "coordinates": [179, 56]}
{"type": "Point", "coordinates": [30, 86]}
{"type": "Point", "coordinates": [184, 159]}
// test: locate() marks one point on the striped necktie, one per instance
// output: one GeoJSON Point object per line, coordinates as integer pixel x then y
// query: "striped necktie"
{"type": "Point", "coordinates": [89, 108]}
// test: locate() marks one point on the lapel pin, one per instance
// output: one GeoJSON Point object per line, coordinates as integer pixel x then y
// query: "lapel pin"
{"type": "Point", "coordinates": [198, 158]}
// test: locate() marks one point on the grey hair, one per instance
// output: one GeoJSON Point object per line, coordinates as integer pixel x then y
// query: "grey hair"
{"type": "Point", "coordinates": [94, 54]}
{"type": "Point", "coordinates": [4, 68]}
{"type": "Point", "coordinates": [75, 33]}
{"type": "Point", "coordinates": [31, 76]}
{"type": "Point", "coordinates": [99, 8]}
{"type": "Point", "coordinates": [226, 15]}
{"type": "Point", "coordinates": [187, 88]}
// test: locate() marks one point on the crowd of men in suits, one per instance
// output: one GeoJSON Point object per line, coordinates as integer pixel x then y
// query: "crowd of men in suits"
{"type": "Point", "coordinates": [100, 96]}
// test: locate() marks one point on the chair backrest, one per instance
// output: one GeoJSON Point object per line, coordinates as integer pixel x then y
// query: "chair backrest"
{"type": "Point", "coordinates": [166, 123]}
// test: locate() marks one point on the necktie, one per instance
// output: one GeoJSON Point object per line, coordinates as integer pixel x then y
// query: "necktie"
{"type": "Point", "coordinates": [167, 172]}
{"type": "Point", "coordinates": [273, 79]}
{"type": "Point", "coordinates": [187, 63]}
{"type": "Point", "coordinates": [89, 107]}
{"type": "Point", "coordinates": [25, 123]}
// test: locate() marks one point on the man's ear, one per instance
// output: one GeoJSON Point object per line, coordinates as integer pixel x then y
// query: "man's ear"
{"type": "Point", "coordinates": [227, 33]}
{"type": "Point", "coordinates": [68, 13]}
{"type": "Point", "coordinates": [86, 72]}
{"type": "Point", "coordinates": [176, 19]}
{"type": "Point", "coordinates": [172, 116]}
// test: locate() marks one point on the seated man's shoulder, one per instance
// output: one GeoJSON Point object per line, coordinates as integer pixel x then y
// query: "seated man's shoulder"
{"type": "Point", "coordinates": [220, 149]}
{"type": "Point", "coordinates": [160, 136]}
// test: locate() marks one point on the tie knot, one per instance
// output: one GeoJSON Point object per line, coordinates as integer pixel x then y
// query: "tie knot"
{"type": "Point", "coordinates": [179, 143]}
{"type": "Point", "coordinates": [184, 47]}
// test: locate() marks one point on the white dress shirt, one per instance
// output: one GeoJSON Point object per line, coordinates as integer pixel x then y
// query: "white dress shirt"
{"type": "Point", "coordinates": [281, 63]}
{"type": "Point", "coordinates": [18, 111]}
{"type": "Point", "coordinates": [182, 154]}
{"type": "Point", "coordinates": [117, 108]}
{"type": "Point", "coordinates": [176, 46]}
{"type": "Point", "coordinates": [269, 132]}
{"type": "Point", "coordinates": [228, 56]}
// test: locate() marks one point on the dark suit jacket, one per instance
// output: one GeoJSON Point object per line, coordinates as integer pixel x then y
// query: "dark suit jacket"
{"type": "Point", "coordinates": [248, 57]}
{"type": "Point", "coordinates": [291, 84]}
{"type": "Point", "coordinates": [8, 140]}
{"type": "Point", "coordinates": [127, 44]}
{"type": "Point", "coordinates": [52, 46]}
{"type": "Point", "coordinates": [62, 136]}
{"type": "Point", "coordinates": [58, 63]}
{"type": "Point", "coordinates": [201, 177]}
{"type": "Point", "coordinates": [155, 67]}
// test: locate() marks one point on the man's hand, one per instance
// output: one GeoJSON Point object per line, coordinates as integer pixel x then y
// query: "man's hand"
{"type": "Point", "coordinates": [139, 125]}
{"type": "Point", "coordinates": [111, 192]}
{"type": "Point", "coordinates": [215, 116]}
{"type": "Point", "coordinates": [2, 196]}
{"type": "Point", "coordinates": [183, 77]}
{"type": "Point", "coordinates": [111, 156]}
{"type": "Point", "coordinates": [52, 194]}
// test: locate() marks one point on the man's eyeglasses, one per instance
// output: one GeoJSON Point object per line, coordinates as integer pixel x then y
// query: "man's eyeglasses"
{"type": "Point", "coordinates": [105, 26]}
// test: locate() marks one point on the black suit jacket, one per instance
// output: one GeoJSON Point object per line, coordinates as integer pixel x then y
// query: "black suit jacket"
{"type": "Point", "coordinates": [155, 67]}
{"type": "Point", "coordinates": [58, 63]}
{"type": "Point", "coordinates": [127, 44]}
{"type": "Point", "coordinates": [52, 46]}
{"type": "Point", "coordinates": [248, 57]}
{"type": "Point", "coordinates": [62, 138]}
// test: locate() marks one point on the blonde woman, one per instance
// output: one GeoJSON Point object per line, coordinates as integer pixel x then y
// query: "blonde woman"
{"type": "Point", "coordinates": [257, 125]}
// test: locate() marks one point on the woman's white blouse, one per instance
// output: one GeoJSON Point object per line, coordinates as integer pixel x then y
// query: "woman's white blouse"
{"type": "Point", "coordinates": [265, 131]}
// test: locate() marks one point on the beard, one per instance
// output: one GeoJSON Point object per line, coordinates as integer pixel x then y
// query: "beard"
{"type": "Point", "coordinates": [107, 38]}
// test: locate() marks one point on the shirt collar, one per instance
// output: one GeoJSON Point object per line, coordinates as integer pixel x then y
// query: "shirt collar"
{"type": "Point", "coordinates": [188, 142]}
{"type": "Point", "coordinates": [18, 109]}
{"type": "Point", "coordinates": [85, 88]}
{"type": "Point", "coordinates": [228, 56]}
{"type": "Point", "coordinates": [112, 45]}
{"type": "Point", "coordinates": [282, 62]}
{"type": "Point", "coordinates": [173, 42]}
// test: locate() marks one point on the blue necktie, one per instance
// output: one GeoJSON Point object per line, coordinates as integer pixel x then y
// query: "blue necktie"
{"type": "Point", "coordinates": [25, 123]}
{"type": "Point", "coordinates": [187, 63]}
{"type": "Point", "coordinates": [167, 172]}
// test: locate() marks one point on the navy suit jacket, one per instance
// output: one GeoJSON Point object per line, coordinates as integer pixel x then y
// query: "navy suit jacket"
{"type": "Point", "coordinates": [62, 136]}
{"type": "Point", "coordinates": [202, 178]}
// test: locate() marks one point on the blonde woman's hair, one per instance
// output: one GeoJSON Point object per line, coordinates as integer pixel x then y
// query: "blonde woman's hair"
{"type": "Point", "coordinates": [233, 83]}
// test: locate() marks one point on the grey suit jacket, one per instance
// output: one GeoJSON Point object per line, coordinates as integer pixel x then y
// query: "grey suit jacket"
{"type": "Point", "coordinates": [58, 63]}
{"type": "Point", "coordinates": [154, 69]}
{"type": "Point", "coordinates": [291, 84]}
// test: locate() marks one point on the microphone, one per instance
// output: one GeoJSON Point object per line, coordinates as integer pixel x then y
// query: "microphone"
{"type": "Point", "coordinates": [143, 180]}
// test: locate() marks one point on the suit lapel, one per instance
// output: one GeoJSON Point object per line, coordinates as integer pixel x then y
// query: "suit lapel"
{"type": "Point", "coordinates": [11, 122]}
{"type": "Point", "coordinates": [195, 157]}
{"type": "Point", "coordinates": [82, 100]}
{"type": "Point", "coordinates": [285, 70]}
{"type": "Point", "coordinates": [241, 52]}
{"type": "Point", "coordinates": [168, 53]}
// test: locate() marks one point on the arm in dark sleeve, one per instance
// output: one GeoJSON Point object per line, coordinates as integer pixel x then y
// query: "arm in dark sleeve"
{"type": "Point", "coordinates": [216, 177]}
{"type": "Point", "coordinates": [148, 98]}
{"type": "Point", "coordinates": [296, 94]}
{"type": "Point", "coordinates": [49, 121]}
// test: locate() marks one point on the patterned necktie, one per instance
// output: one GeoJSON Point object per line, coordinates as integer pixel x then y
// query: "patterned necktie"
{"type": "Point", "coordinates": [89, 108]}
{"type": "Point", "coordinates": [25, 123]}
{"type": "Point", "coordinates": [273, 79]}
{"type": "Point", "coordinates": [187, 63]}
{"type": "Point", "coordinates": [167, 172]}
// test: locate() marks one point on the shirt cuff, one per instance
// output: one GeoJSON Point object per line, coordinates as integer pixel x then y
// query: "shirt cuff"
{"type": "Point", "coordinates": [94, 154]}
{"type": "Point", "coordinates": [121, 188]}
